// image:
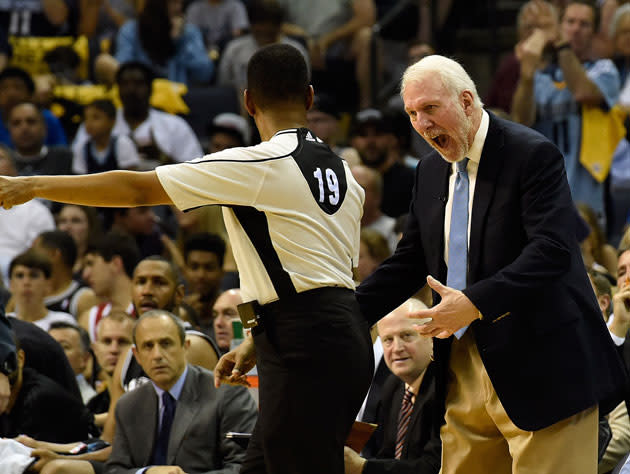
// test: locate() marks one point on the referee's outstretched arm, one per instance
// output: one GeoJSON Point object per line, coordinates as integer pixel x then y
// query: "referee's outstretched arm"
{"type": "Point", "coordinates": [109, 189]}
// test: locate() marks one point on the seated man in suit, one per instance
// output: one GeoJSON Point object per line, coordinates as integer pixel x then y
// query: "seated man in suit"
{"type": "Point", "coordinates": [41, 408]}
{"type": "Point", "coordinates": [185, 417]}
{"type": "Point", "coordinates": [411, 429]}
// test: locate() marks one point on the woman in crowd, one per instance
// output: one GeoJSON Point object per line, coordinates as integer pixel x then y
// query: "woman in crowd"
{"type": "Point", "coordinates": [83, 224]}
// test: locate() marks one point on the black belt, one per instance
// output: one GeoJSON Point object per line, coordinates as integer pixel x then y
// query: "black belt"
{"type": "Point", "coordinates": [252, 312]}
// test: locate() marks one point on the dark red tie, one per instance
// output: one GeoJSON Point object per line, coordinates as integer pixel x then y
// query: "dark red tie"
{"type": "Point", "coordinates": [403, 421]}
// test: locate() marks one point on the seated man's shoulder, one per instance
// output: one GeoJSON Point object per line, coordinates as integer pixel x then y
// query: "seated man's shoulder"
{"type": "Point", "coordinates": [44, 392]}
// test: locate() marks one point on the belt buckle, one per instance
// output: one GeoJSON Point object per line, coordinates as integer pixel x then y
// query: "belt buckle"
{"type": "Point", "coordinates": [249, 313]}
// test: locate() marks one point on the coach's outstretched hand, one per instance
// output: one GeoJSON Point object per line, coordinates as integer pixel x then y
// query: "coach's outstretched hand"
{"type": "Point", "coordinates": [233, 366]}
{"type": "Point", "coordinates": [453, 312]}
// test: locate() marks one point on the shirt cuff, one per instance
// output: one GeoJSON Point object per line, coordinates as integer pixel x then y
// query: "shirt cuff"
{"type": "Point", "coordinates": [616, 339]}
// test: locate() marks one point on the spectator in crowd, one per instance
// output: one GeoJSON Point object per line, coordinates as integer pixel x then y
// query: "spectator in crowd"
{"type": "Point", "coordinates": [17, 86]}
{"type": "Point", "coordinates": [180, 404]}
{"type": "Point", "coordinates": [113, 339]}
{"type": "Point", "coordinates": [266, 18]}
{"type": "Point", "coordinates": [336, 31]}
{"type": "Point", "coordinates": [109, 265]}
{"type": "Point", "coordinates": [39, 18]}
{"type": "Point", "coordinates": [66, 293]}
{"type": "Point", "coordinates": [141, 223]}
{"type": "Point", "coordinates": [219, 21]}
{"type": "Point", "coordinates": [373, 138]}
{"type": "Point", "coordinates": [159, 137]}
{"type": "Point", "coordinates": [323, 121]}
{"type": "Point", "coordinates": [408, 418]}
{"type": "Point", "coordinates": [29, 280]}
{"type": "Point", "coordinates": [224, 311]}
{"type": "Point", "coordinates": [228, 130]}
{"type": "Point", "coordinates": [8, 358]}
{"type": "Point", "coordinates": [162, 39]}
{"type": "Point", "coordinates": [598, 254]}
{"type": "Point", "coordinates": [618, 420]}
{"type": "Point", "coordinates": [558, 113]}
{"type": "Point", "coordinates": [44, 355]}
{"type": "Point", "coordinates": [203, 219]}
{"type": "Point", "coordinates": [104, 151]}
{"type": "Point", "coordinates": [101, 19]}
{"type": "Point", "coordinates": [156, 286]}
{"type": "Point", "coordinates": [373, 250]}
{"type": "Point", "coordinates": [75, 342]}
{"type": "Point", "coordinates": [19, 227]}
{"type": "Point", "coordinates": [533, 15]}
{"type": "Point", "coordinates": [203, 254]}
{"type": "Point", "coordinates": [618, 211]}
{"type": "Point", "coordinates": [84, 225]}
{"type": "Point", "coordinates": [42, 409]}
{"type": "Point", "coordinates": [27, 128]}
{"type": "Point", "coordinates": [373, 218]}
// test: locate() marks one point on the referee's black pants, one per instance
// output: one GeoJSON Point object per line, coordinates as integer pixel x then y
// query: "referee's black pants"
{"type": "Point", "coordinates": [315, 364]}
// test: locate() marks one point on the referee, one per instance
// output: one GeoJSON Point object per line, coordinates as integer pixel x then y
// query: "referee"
{"type": "Point", "coordinates": [292, 211]}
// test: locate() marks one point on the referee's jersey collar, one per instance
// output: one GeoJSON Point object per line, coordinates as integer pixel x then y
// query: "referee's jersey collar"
{"type": "Point", "coordinates": [284, 132]}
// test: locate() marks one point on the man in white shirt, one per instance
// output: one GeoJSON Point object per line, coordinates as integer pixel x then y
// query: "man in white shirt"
{"type": "Point", "coordinates": [160, 137]}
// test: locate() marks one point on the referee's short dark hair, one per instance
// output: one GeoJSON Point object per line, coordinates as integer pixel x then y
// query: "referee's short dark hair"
{"type": "Point", "coordinates": [277, 74]}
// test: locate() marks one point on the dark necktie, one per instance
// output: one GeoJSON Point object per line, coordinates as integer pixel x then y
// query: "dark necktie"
{"type": "Point", "coordinates": [458, 235]}
{"type": "Point", "coordinates": [160, 449]}
{"type": "Point", "coordinates": [403, 422]}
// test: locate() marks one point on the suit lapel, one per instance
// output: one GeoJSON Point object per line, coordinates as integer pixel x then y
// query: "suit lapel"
{"type": "Point", "coordinates": [147, 414]}
{"type": "Point", "coordinates": [185, 413]}
{"type": "Point", "coordinates": [485, 186]}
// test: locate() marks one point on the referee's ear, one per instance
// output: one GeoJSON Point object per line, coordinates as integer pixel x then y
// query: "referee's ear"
{"type": "Point", "coordinates": [250, 106]}
{"type": "Point", "coordinates": [310, 94]}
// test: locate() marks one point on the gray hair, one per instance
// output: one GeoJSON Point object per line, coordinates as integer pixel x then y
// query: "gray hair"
{"type": "Point", "coordinates": [453, 76]}
{"type": "Point", "coordinates": [617, 16]}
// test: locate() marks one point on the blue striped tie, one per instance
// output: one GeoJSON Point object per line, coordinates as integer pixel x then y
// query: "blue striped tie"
{"type": "Point", "coordinates": [458, 235]}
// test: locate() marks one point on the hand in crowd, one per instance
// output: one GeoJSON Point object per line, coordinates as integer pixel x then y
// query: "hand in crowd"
{"type": "Point", "coordinates": [5, 392]}
{"type": "Point", "coordinates": [28, 441]}
{"type": "Point", "coordinates": [529, 52]}
{"type": "Point", "coordinates": [232, 367]}
{"type": "Point", "coordinates": [177, 26]}
{"type": "Point", "coordinates": [453, 312]}
{"type": "Point", "coordinates": [352, 461]}
{"type": "Point", "coordinates": [621, 305]}
{"type": "Point", "coordinates": [14, 191]}
{"type": "Point", "coordinates": [44, 456]}
{"type": "Point", "coordinates": [165, 470]}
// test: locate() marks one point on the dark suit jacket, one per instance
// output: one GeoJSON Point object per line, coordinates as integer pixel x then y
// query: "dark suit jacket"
{"type": "Point", "coordinates": [197, 443]}
{"type": "Point", "coordinates": [46, 411]}
{"type": "Point", "coordinates": [422, 450]}
{"type": "Point", "coordinates": [374, 407]}
{"type": "Point", "coordinates": [542, 339]}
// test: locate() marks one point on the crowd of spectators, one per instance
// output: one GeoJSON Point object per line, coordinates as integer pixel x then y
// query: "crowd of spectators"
{"type": "Point", "coordinates": [95, 85]}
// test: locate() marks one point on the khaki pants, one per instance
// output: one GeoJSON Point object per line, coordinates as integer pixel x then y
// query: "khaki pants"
{"type": "Point", "coordinates": [479, 438]}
